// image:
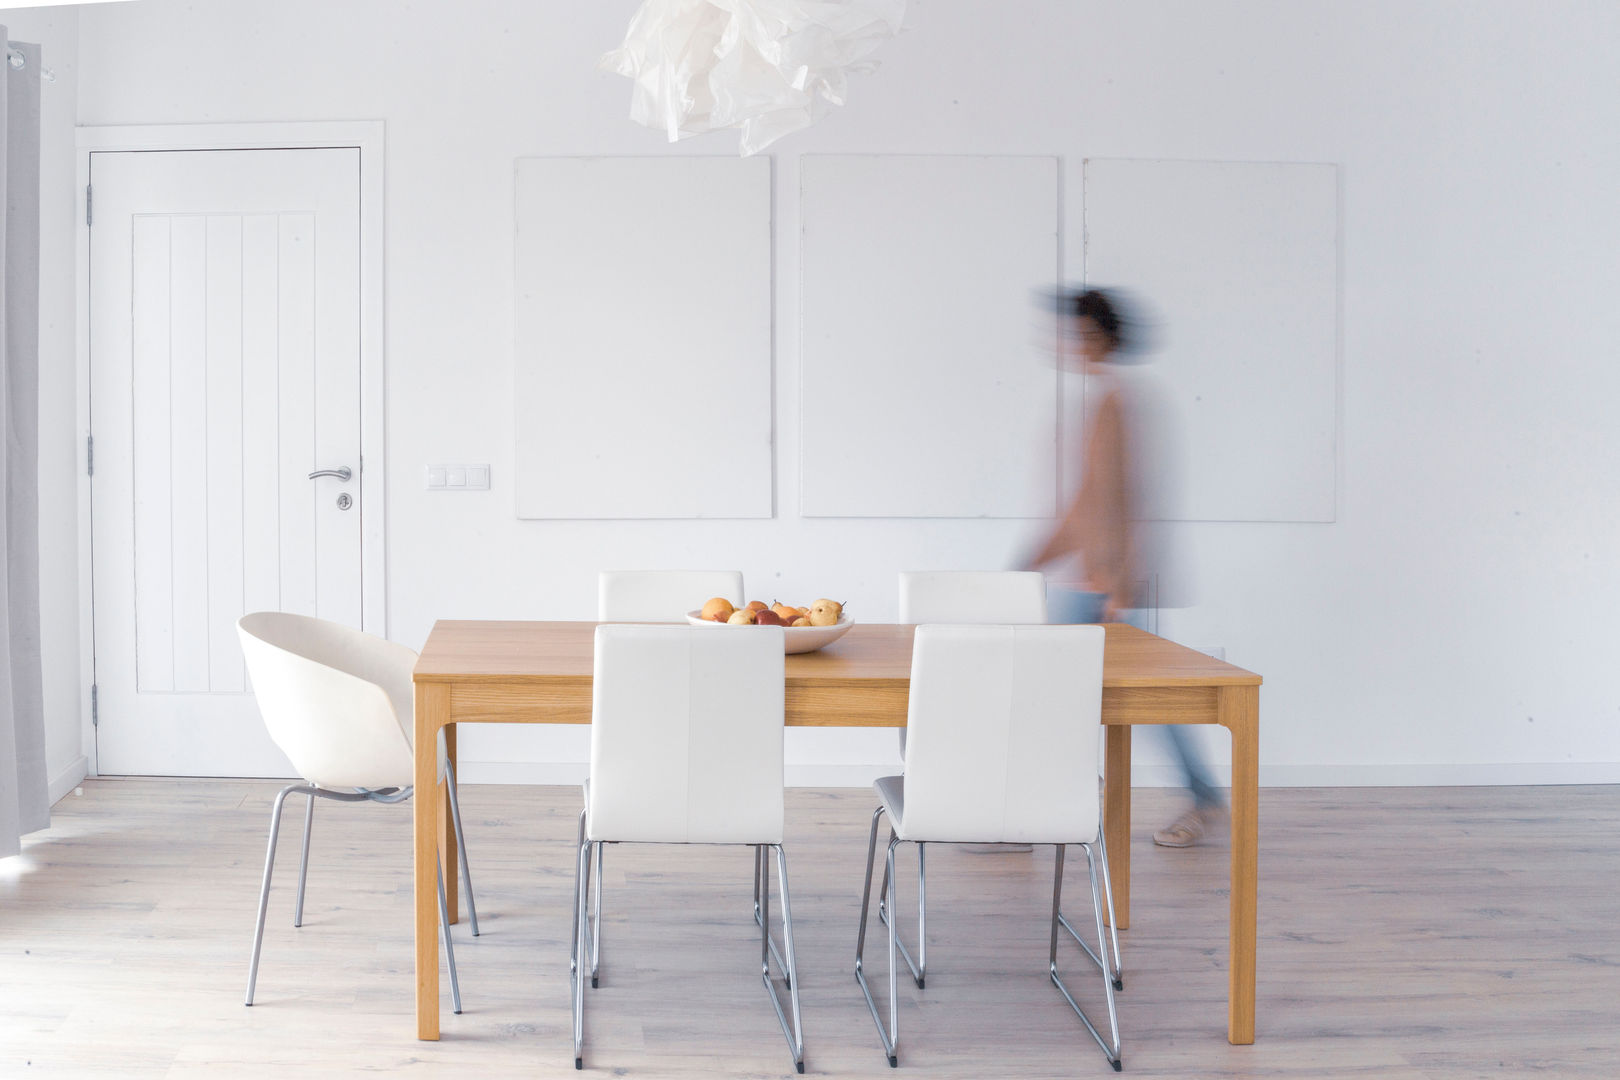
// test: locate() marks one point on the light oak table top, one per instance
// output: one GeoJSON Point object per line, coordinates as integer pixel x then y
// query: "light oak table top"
{"type": "Point", "coordinates": [873, 654]}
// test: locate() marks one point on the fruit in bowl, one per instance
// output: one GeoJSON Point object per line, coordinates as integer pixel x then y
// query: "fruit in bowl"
{"type": "Point", "coordinates": [717, 609]}
{"type": "Point", "coordinates": [808, 628]}
{"type": "Point", "coordinates": [825, 612]}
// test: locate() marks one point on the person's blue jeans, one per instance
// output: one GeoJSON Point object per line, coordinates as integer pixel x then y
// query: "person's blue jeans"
{"type": "Point", "coordinates": [1065, 605]}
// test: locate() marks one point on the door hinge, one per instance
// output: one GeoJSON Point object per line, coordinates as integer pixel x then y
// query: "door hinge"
{"type": "Point", "coordinates": [95, 705]}
{"type": "Point", "coordinates": [90, 455]}
{"type": "Point", "coordinates": [89, 196]}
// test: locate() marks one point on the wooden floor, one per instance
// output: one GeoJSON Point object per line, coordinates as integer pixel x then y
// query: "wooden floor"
{"type": "Point", "coordinates": [1404, 933]}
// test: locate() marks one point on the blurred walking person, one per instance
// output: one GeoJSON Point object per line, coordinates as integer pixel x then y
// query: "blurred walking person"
{"type": "Point", "coordinates": [1102, 528]}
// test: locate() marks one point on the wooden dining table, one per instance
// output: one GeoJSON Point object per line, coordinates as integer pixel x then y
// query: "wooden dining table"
{"type": "Point", "coordinates": [480, 672]}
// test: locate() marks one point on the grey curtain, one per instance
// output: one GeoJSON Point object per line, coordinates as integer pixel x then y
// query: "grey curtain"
{"type": "Point", "coordinates": [24, 802]}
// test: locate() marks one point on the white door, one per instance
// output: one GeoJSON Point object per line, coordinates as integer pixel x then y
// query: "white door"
{"type": "Point", "coordinates": [225, 369]}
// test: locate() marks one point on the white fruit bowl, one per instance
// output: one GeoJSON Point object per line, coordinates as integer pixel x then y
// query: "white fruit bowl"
{"type": "Point", "coordinates": [798, 638]}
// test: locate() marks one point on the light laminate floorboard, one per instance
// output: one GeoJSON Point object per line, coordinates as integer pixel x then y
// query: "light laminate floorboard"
{"type": "Point", "coordinates": [1404, 934]}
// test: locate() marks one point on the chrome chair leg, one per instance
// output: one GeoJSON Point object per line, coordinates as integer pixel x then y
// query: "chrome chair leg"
{"type": "Point", "coordinates": [1108, 983]}
{"type": "Point", "coordinates": [264, 888]}
{"type": "Point", "coordinates": [582, 870]}
{"type": "Point", "coordinates": [1108, 961]}
{"type": "Point", "coordinates": [918, 966]}
{"type": "Point", "coordinates": [795, 1035]}
{"type": "Point", "coordinates": [890, 1034]}
{"type": "Point", "coordinates": [461, 845]}
{"type": "Point", "coordinates": [596, 915]}
{"type": "Point", "coordinates": [383, 795]}
{"type": "Point", "coordinates": [303, 862]}
{"type": "Point", "coordinates": [883, 889]}
{"type": "Point", "coordinates": [762, 874]}
{"type": "Point", "coordinates": [1118, 970]}
{"type": "Point", "coordinates": [444, 928]}
{"type": "Point", "coordinates": [573, 946]}
{"type": "Point", "coordinates": [1111, 1052]}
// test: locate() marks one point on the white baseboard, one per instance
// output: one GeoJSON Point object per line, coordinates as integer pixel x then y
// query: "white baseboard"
{"type": "Point", "coordinates": [1486, 774]}
{"type": "Point", "coordinates": [68, 779]}
{"type": "Point", "coordinates": [1338, 775]}
{"type": "Point", "coordinates": [573, 773]}
{"type": "Point", "coordinates": [839, 775]}
{"type": "Point", "coordinates": [556, 773]}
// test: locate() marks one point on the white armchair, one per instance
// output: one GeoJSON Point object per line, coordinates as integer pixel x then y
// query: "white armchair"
{"type": "Point", "coordinates": [339, 704]}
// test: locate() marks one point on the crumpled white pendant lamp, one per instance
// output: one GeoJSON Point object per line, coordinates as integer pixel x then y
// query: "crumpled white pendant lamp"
{"type": "Point", "coordinates": [766, 67]}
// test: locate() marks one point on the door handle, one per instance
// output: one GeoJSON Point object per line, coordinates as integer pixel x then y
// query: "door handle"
{"type": "Point", "coordinates": [342, 473]}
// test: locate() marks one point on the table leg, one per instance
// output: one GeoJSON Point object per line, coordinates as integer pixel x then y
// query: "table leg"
{"type": "Point", "coordinates": [447, 835]}
{"type": "Point", "coordinates": [1117, 818]}
{"type": "Point", "coordinates": [1239, 712]}
{"type": "Point", "coordinates": [432, 708]}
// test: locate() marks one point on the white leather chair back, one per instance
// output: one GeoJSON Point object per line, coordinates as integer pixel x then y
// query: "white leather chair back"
{"type": "Point", "coordinates": [337, 701]}
{"type": "Point", "coordinates": [960, 597]}
{"type": "Point", "coordinates": [662, 595]}
{"type": "Point", "coordinates": [1002, 726]}
{"type": "Point", "coordinates": [686, 735]}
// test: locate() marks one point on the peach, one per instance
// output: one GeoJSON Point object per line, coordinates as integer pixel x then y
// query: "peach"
{"type": "Point", "coordinates": [717, 609]}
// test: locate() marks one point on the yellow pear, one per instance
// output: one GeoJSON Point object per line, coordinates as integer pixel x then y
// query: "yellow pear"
{"type": "Point", "coordinates": [825, 612]}
{"type": "Point", "coordinates": [741, 617]}
{"type": "Point", "coordinates": [717, 609]}
{"type": "Point", "coordinates": [800, 621]}
{"type": "Point", "coordinates": [785, 612]}
{"type": "Point", "coordinates": [757, 605]}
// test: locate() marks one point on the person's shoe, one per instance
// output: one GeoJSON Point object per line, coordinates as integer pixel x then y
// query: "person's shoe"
{"type": "Point", "coordinates": [1190, 828]}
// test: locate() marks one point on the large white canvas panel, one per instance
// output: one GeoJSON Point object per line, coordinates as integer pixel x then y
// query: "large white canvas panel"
{"type": "Point", "coordinates": [1236, 266]}
{"type": "Point", "coordinates": [643, 381]}
{"type": "Point", "coordinates": [921, 392]}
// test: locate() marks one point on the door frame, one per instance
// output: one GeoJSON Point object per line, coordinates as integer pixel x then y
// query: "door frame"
{"type": "Point", "coordinates": [366, 136]}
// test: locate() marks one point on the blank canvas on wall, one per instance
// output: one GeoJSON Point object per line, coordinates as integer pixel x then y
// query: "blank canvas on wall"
{"type": "Point", "coordinates": [1236, 266]}
{"type": "Point", "coordinates": [921, 391]}
{"type": "Point", "coordinates": [643, 329]}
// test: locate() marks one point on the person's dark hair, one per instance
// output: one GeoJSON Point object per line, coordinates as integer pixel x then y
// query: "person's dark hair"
{"type": "Point", "coordinates": [1094, 304]}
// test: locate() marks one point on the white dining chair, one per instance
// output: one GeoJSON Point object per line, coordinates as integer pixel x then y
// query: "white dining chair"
{"type": "Point", "coordinates": [1003, 723]}
{"type": "Point", "coordinates": [340, 704]}
{"type": "Point", "coordinates": [961, 597]}
{"type": "Point", "coordinates": [686, 748]}
{"type": "Point", "coordinates": [661, 596]}
{"type": "Point", "coordinates": [973, 597]}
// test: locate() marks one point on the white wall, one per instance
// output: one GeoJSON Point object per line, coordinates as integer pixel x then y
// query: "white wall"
{"type": "Point", "coordinates": [1453, 623]}
{"type": "Point", "coordinates": [56, 30]}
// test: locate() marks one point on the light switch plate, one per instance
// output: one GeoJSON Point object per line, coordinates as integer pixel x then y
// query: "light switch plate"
{"type": "Point", "coordinates": [458, 477]}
